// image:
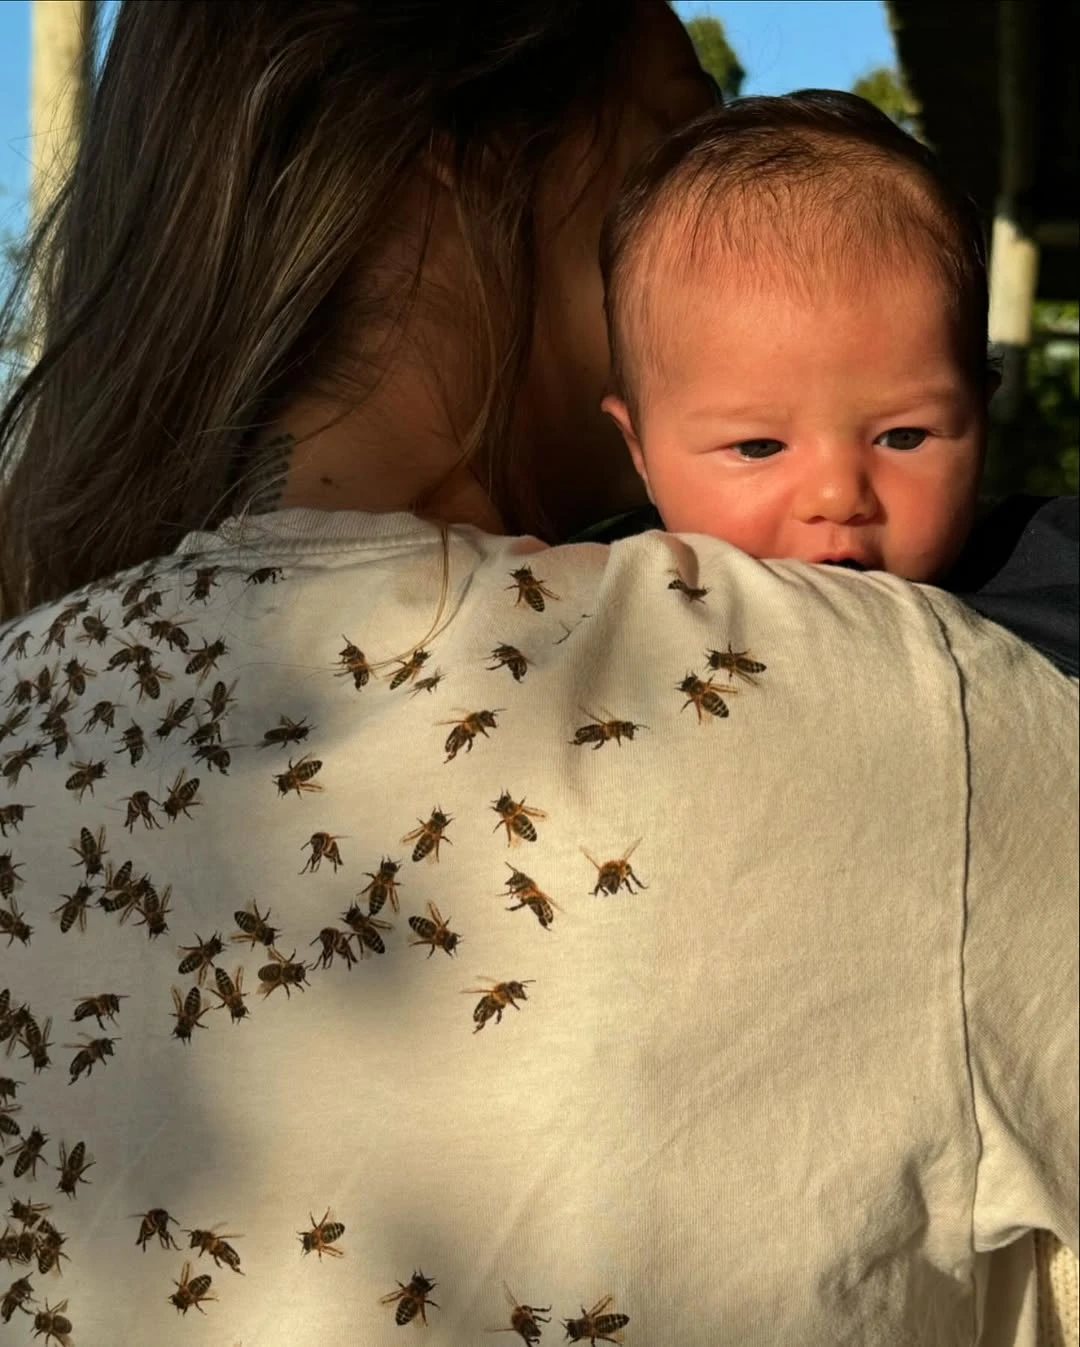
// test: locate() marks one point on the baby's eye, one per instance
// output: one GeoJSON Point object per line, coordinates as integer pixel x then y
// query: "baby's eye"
{"type": "Point", "coordinates": [902, 437]}
{"type": "Point", "coordinates": [758, 448]}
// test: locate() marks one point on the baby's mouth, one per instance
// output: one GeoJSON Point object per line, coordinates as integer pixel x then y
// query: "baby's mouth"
{"type": "Point", "coordinates": [849, 562]}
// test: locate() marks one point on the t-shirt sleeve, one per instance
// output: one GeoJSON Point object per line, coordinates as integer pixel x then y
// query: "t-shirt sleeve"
{"type": "Point", "coordinates": [1020, 963]}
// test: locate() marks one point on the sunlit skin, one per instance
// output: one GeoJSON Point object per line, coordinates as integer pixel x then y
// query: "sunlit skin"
{"type": "Point", "coordinates": [842, 423]}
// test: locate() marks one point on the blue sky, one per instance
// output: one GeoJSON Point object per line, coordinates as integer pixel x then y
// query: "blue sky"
{"type": "Point", "coordinates": [783, 44]}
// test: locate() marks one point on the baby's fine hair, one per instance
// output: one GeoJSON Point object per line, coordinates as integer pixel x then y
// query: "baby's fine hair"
{"type": "Point", "coordinates": [814, 180]}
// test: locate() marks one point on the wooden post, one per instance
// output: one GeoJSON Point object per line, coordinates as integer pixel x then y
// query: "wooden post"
{"type": "Point", "coordinates": [61, 62]}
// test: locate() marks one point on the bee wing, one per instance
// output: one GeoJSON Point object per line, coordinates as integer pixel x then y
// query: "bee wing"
{"type": "Point", "coordinates": [627, 854]}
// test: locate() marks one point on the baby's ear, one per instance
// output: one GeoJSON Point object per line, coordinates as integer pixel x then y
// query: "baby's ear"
{"type": "Point", "coordinates": [619, 412]}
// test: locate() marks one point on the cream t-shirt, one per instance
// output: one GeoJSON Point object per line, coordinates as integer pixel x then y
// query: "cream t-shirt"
{"type": "Point", "coordinates": [669, 948]}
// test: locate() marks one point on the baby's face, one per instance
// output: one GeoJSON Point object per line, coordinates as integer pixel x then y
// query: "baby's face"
{"type": "Point", "coordinates": [842, 426]}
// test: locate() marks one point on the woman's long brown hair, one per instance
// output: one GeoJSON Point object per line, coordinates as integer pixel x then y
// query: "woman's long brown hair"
{"type": "Point", "coordinates": [216, 237]}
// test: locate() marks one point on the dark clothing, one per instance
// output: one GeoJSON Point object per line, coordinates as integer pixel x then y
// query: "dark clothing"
{"type": "Point", "coordinates": [1020, 568]}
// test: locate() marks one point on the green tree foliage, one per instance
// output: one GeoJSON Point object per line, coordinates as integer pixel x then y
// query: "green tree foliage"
{"type": "Point", "coordinates": [715, 54]}
{"type": "Point", "coordinates": [885, 88]}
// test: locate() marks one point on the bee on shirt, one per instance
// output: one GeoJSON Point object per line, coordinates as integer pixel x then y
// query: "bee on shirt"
{"type": "Point", "coordinates": [613, 875]}
{"type": "Point", "coordinates": [204, 582]}
{"type": "Point", "coordinates": [22, 694]}
{"type": "Point", "coordinates": [75, 676]}
{"type": "Point", "coordinates": [466, 730]}
{"type": "Point", "coordinates": [50, 1248]}
{"type": "Point", "coordinates": [286, 732]}
{"type": "Point", "coordinates": [54, 1324]}
{"type": "Point", "coordinates": [199, 958]}
{"type": "Point", "coordinates": [122, 892]}
{"type": "Point", "coordinates": [321, 1237]}
{"type": "Point", "coordinates": [601, 731]}
{"type": "Point", "coordinates": [104, 713]}
{"type": "Point", "coordinates": [529, 895]}
{"type": "Point", "coordinates": [28, 1152]}
{"type": "Point", "coordinates": [434, 932]}
{"type": "Point", "coordinates": [15, 1298]}
{"type": "Point", "coordinates": [172, 633]}
{"type": "Point", "coordinates": [133, 743]}
{"type": "Point", "coordinates": [15, 763]}
{"type": "Point", "coordinates": [54, 723]}
{"type": "Point", "coordinates": [18, 1246]}
{"type": "Point", "coordinates": [204, 660]}
{"type": "Point", "coordinates": [525, 1320]}
{"type": "Point", "coordinates": [90, 1051]}
{"type": "Point", "coordinates": [705, 696]}
{"type": "Point", "coordinates": [191, 1291]}
{"type": "Point", "coordinates": [427, 684]}
{"type": "Point", "coordinates": [181, 796]}
{"type": "Point", "coordinates": [264, 573]}
{"type": "Point", "coordinates": [105, 1006]}
{"type": "Point", "coordinates": [35, 1040]}
{"type": "Point", "coordinates": [156, 1221]}
{"type": "Point", "coordinates": [298, 776]}
{"type": "Point", "coordinates": [509, 657]}
{"type": "Point", "coordinates": [334, 941]}
{"type": "Point", "coordinates": [27, 1213]}
{"type": "Point", "coordinates": [494, 999]}
{"type": "Point", "coordinates": [73, 1165]}
{"type": "Point", "coordinates": [138, 807]}
{"type": "Point", "coordinates": [13, 925]}
{"type": "Point", "coordinates": [8, 1126]}
{"type": "Point", "coordinates": [366, 928]}
{"type": "Point", "coordinates": [529, 588]}
{"type": "Point", "coordinates": [383, 885]}
{"type": "Point", "coordinates": [412, 1299]}
{"type": "Point", "coordinates": [410, 667]}
{"type": "Point", "coordinates": [205, 732]}
{"type": "Point", "coordinates": [8, 874]}
{"type": "Point", "coordinates": [735, 663]}
{"type": "Point", "coordinates": [355, 665]}
{"type": "Point", "coordinates": [174, 717]}
{"type": "Point", "coordinates": [154, 910]}
{"type": "Point", "coordinates": [84, 776]}
{"type": "Point", "coordinates": [44, 683]}
{"type": "Point", "coordinates": [597, 1324]}
{"type": "Point", "coordinates": [283, 972]}
{"type": "Point", "coordinates": [188, 1013]}
{"type": "Point", "coordinates": [143, 609]}
{"type": "Point", "coordinates": [149, 679]}
{"type": "Point", "coordinates": [324, 846]}
{"type": "Point", "coordinates": [11, 815]}
{"type": "Point", "coordinates": [17, 648]}
{"type": "Point", "coordinates": [15, 720]}
{"type": "Point", "coordinates": [90, 849]}
{"type": "Point", "coordinates": [55, 636]}
{"type": "Point", "coordinates": [255, 927]}
{"type": "Point", "coordinates": [229, 990]}
{"type": "Point", "coordinates": [215, 755]}
{"type": "Point", "coordinates": [516, 818]}
{"type": "Point", "coordinates": [220, 698]}
{"type": "Point", "coordinates": [130, 653]}
{"type": "Point", "coordinates": [72, 911]}
{"type": "Point", "coordinates": [430, 834]}
{"type": "Point", "coordinates": [691, 594]}
{"type": "Point", "coordinates": [216, 1245]}
{"type": "Point", "coordinates": [8, 1089]}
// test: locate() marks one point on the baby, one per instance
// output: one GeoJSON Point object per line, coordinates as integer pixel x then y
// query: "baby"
{"type": "Point", "coordinates": [797, 305]}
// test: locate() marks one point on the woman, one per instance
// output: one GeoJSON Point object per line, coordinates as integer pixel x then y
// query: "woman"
{"type": "Point", "coordinates": [627, 929]}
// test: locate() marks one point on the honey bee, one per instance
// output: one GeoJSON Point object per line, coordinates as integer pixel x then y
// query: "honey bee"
{"type": "Point", "coordinates": [321, 1237]}
{"type": "Point", "coordinates": [354, 664]}
{"type": "Point", "coordinates": [515, 818]}
{"type": "Point", "coordinates": [705, 696]}
{"type": "Point", "coordinates": [220, 698]}
{"type": "Point", "coordinates": [298, 776]}
{"type": "Point", "coordinates": [525, 1320]}
{"type": "Point", "coordinates": [188, 1013]}
{"type": "Point", "coordinates": [27, 1213]}
{"type": "Point", "coordinates": [84, 776]}
{"type": "Point", "coordinates": [191, 1291]}
{"type": "Point", "coordinates": [209, 1241]}
{"type": "Point", "coordinates": [149, 680]}
{"type": "Point", "coordinates": [14, 763]}
{"type": "Point", "coordinates": [8, 1126]}
{"type": "Point", "coordinates": [11, 815]}
{"type": "Point", "coordinates": [596, 1325]}
{"type": "Point", "coordinates": [55, 637]}
{"type": "Point", "coordinates": [15, 1298]}
{"type": "Point", "coordinates": [90, 850]}
{"type": "Point", "coordinates": [205, 732]}
{"type": "Point", "coordinates": [28, 1152]}
{"type": "Point", "coordinates": [412, 1299]}
{"type": "Point", "coordinates": [509, 657]}
{"type": "Point", "coordinates": [75, 676]}
{"type": "Point", "coordinates": [613, 875]}
{"type": "Point", "coordinates": [133, 742]}
{"type": "Point", "coordinates": [410, 667]}
{"type": "Point", "coordinates": [528, 895]}
{"type": "Point", "coordinates": [172, 633]}
{"type": "Point", "coordinates": [264, 573]}
{"type": "Point", "coordinates": [601, 731]}
{"type": "Point", "coordinates": [8, 1087]}
{"type": "Point", "coordinates": [18, 1246]}
{"type": "Point", "coordinates": [121, 891]}
{"type": "Point", "coordinates": [285, 732]}
{"type": "Point", "coordinates": [44, 684]}
{"type": "Point", "coordinates": [138, 807]}
{"type": "Point", "coordinates": [204, 582]}
{"type": "Point", "coordinates": [691, 594]}
{"type": "Point", "coordinates": [199, 958]}
{"type": "Point", "coordinates": [22, 694]}
{"type": "Point", "coordinates": [427, 684]}
{"type": "Point", "coordinates": [72, 910]}
{"type": "Point", "coordinates": [73, 1165]}
{"type": "Point", "coordinates": [495, 999]}
{"type": "Point", "coordinates": [334, 941]}
{"type": "Point", "coordinates": [104, 1007]}
{"type": "Point", "coordinates": [56, 731]}
{"type": "Point", "coordinates": [13, 925]}
{"type": "Point", "coordinates": [282, 972]}
{"type": "Point", "coordinates": [50, 1248]}
{"type": "Point", "coordinates": [156, 1221]}
{"type": "Point", "coordinates": [383, 886]}
{"type": "Point", "coordinates": [255, 927]}
{"type": "Point", "coordinates": [14, 721]}
{"type": "Point", "coordinates": [17, 648]}
{"type": "Point", "coordinates": [175, 717]}
{"type": "Point", "coordinates": [324, 846]}
{"type": "Point", "coordinates": [529, 588]}
{"type": "Point", "coordinates": [35, 1040]}
{"type": "Point", "coordinates": [8, 875]}
{"type": "Point", "coordinates": [429, 835]}
{"type": "Point", "coordinates": [465, 731]}
{"type": "Point", "coordinates": [205, 659]}
{"type": "Point", "coordinates": [134, 591]}
{"type": "Point", "coordinates": [215, 755]}
{"type": "Point", "coordinates": [434, 932]}
{"type": "Point", "coordinates": [153, 910]}
{"type": "Point", "coordinates": [735, 663]}
{"type": "Point", "coordinates": [181, 796]}
{"type": "Point", "coordinates": [366, 928]}
{"type": "Point", "coordinates": [143, 609]}
{"type": "Point", "coordinates": [90, 1051]}
{"type": "Point", "coordinates": [229, 991]}
{"type": "Point", "coordinates": [130, 653]}
{"type": "Point", "coordinates": [104, 713]}
{"type": "Point", "coordinates": [52, 1322]}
